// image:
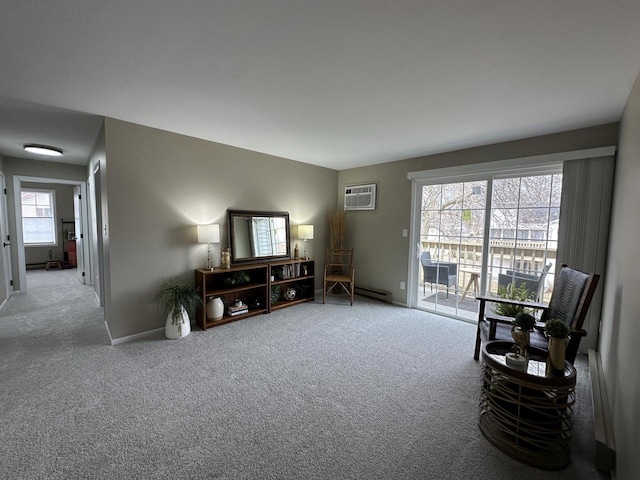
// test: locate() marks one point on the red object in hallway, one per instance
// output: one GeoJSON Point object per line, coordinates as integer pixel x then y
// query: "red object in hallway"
{"type": "Point", "coordinates": [71, 251]}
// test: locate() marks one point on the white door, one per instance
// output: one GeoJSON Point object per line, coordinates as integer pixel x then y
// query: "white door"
{"type": "Point", "coordinates": [77, 216]}
{"type": "Point", "coordinates": [98, 232]}
{"type": "Point", "coordinates": [6, 247]}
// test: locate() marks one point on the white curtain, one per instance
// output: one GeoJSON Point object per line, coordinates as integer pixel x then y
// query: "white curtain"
{"type": "Point", "coordinates": [587, 187]}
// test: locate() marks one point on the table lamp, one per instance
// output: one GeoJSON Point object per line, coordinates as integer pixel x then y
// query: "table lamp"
{"type": "Point", "coordinates": [209, 234]}
{"type": "Point", "coordinates": [305, 232]}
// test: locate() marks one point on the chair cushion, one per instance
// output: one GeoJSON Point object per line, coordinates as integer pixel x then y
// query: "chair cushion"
{"type": "Point", "coordinates": [503, 332]}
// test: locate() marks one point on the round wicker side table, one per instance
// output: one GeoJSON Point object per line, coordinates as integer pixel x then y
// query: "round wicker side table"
{"type": "Point", "coordinates": [525, 413]}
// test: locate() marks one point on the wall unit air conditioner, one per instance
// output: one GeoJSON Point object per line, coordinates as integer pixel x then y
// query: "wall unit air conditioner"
{"type": "Point", "coordinates": [360, 197]}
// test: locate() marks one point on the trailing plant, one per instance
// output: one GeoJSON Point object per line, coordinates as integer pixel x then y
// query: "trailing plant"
{"type": "Point", "coordinates": [525, 321]}
{"type": "Point", "coordinates": [512, 292]}
{"type": "Point", "coordinates": [171, 296]}
{"type": "Point", "coordinates": [556, 328]}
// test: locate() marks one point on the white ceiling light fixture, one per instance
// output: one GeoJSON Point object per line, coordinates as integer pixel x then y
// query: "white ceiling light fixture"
{"type": "Point", "coordinates": [43, 150]}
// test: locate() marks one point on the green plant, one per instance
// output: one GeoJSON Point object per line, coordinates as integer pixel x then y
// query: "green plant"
{"type": "Point", "coordinates": [512, 292]}
{"type": "Point", "coordinates": [275, 294]}
{"type": "Point", "coordinates": [170, 296]}
{"type": "Point", "coordinates": [556, 328]}
{"type": "Point", "coordinates": [525, 321]}
{"type": "Point", "coordinates": [237, 278]}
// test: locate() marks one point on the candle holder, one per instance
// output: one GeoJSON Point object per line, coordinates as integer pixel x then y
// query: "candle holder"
{"type": "Point", "coordinates": [225, 258]}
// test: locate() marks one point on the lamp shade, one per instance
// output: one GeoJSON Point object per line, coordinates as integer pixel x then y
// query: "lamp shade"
{"type": "Point", "coordinates": [209, 233]}
{"type": "Point", "coordinates": [305, 232]}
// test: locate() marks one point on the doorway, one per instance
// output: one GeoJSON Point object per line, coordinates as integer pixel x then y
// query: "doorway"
{"type": "Point", "coordinates": [6, 282]}
{"type": "Point", "coordinates": [50, 226]}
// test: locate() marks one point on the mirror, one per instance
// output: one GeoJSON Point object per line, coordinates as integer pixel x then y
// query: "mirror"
{"type": "Point", "coordinates": [256, 236]}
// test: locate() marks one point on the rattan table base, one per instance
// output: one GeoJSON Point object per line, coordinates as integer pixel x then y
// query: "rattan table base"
{"type": "Point", "coordinates": [527, 415]}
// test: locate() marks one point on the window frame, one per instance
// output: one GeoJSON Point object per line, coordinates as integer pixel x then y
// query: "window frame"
{"type": "Point", "coordinates": [52, 194]}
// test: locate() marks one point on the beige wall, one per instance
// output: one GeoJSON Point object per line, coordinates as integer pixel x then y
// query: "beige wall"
{"type": "Point", "coordinates": [160, 185]}
{"type": "Point", "coordinates": [381, 252]}
{"type": "Point", "coordinates": [620, 334]}
{"type": "Point", "coordinates": [33, 168]}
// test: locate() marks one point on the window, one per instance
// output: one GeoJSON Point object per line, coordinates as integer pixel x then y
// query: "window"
{"type": "Point", "coordinates": [523, 213]}
{"type": "Point", "coordinates": [38, 217]}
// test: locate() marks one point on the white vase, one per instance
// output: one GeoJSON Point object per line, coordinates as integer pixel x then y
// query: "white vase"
{"type": "Point", "coordinates": [215, 308]}
{"type": "Point", "coordinates": [181, 328]}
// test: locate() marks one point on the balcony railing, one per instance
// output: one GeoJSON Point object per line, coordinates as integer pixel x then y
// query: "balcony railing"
{"type": "Point", "coordinates": [526, 256]}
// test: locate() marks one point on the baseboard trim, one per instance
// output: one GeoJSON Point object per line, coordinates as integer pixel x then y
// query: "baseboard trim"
{"type": "Point", "coordinates": [605, 457]}
{"type": "Point", "coordinates": [137, 336]}
{"type": "Point", "coordinates": [374, 293]}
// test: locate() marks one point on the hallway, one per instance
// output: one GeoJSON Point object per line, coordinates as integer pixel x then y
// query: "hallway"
{"type": "Point", "coordinates": [54, 298]}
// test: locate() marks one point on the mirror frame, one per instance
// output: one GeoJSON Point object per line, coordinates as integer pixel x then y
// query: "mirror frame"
{"type": "Point", "coordinates": [233, 214]}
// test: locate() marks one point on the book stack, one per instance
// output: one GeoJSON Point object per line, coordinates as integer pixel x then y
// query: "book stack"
{"type": "Point", "coordinates": [290, 271]}
{"type": "Point", "coordinates": [233, 310]}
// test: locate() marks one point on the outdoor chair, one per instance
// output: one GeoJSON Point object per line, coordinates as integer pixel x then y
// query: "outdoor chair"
{"type": "Point", "coordinates": [339, 271]}
{"type": "Point", "coordinates": [442, 273]}
{"type": "Point", "coordinates": [534, 284]}
{"type": "Point", "coordinates": [570, 300]}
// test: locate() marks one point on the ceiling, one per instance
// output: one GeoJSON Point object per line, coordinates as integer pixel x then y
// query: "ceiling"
{"type": "Point", "coordinates": [336, 83]}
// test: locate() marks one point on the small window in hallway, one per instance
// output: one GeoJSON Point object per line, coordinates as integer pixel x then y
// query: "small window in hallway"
{"type": "Point", "coordinates": [38, 217]}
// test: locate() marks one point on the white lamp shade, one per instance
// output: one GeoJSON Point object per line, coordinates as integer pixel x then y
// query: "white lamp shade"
{"type": "Point", "coordinates": [305, 232]}
{"type": "Point", "coordinates": [209, 233]}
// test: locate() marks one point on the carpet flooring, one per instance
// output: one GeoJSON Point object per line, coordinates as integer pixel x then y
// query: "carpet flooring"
{"type": "Point", "coordinates": [372, 391]}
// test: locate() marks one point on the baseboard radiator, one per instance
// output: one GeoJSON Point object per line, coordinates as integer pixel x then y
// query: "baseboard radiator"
{"type": "Point", "coordinates": [373, 293]}
{"type": "Point", "coordinates": [605, 458]}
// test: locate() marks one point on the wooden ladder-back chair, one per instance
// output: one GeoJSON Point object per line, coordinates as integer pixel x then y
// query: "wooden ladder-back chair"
{"type": "Point", "coordinates": [570, 300]}
{"type": "Point", "coordinates": [339, 271]}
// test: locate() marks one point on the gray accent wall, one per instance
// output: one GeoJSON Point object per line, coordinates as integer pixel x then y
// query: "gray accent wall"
{"type": "Point", "coordinates": [161, 185]}
{"type": "Point", "coordinates": [620, 324]}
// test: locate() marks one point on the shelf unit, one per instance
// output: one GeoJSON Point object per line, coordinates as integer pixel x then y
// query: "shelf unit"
{"type": "Point", "coordinates": [216, 283]}
{"type": "Point", "coordinates": [298, 274]}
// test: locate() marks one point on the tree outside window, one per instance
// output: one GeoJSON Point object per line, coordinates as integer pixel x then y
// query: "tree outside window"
{"type": "Point", "coordinates": [38, 217]}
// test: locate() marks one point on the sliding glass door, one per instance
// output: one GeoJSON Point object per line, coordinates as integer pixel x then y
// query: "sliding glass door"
{"type": "Point", "coordinates": [525, 212]}
{"type": "Point", "coordinates": [451, 245]}
{"type": "Point", "coordinates": [486, 235]}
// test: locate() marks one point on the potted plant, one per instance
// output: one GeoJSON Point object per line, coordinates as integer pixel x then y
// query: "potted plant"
{"type": "Point", "coordinates": [177, 300]}
{"type": "Point", "coordinates": [512, 292]}
{"type": "Point", "coordinates": [558, 334]}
